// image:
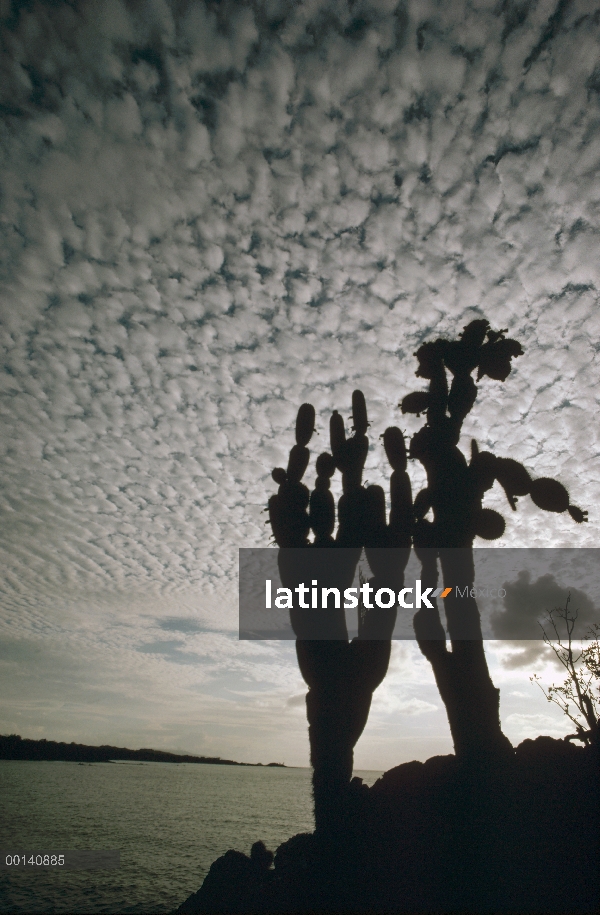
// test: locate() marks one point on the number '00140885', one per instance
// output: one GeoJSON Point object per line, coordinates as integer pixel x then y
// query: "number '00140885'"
{"type": "Point", "coordinates": [23, 860]}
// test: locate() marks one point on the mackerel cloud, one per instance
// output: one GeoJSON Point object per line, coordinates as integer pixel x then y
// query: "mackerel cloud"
{"type": "Point", "coordinates": [213, 212]}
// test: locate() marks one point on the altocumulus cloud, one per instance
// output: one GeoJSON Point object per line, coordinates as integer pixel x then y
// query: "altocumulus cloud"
{"type": "Point", "coordinates": [212, 212]}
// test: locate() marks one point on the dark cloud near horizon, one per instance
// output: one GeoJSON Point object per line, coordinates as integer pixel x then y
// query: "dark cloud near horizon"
{"type": "Point", "coordinates": [212, 212]}
{"type": "Point", "coordinates": [527, 604]}
{"type": "Point", "coordinates": [526, 616]}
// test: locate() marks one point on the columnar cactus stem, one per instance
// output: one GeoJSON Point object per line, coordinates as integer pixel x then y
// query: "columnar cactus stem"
{"type": "Point", "coordinates": [454, 493]}
{"type": "Point", "coordinates": [341, 675]}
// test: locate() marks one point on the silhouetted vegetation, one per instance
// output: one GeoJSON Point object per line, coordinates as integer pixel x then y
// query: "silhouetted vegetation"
{"type": "Point", "coordinates": [341, 675]}
{"type": "Point", "coordinates": [454, 494]}
{"type": "Point", "coordinates": [575, 697]}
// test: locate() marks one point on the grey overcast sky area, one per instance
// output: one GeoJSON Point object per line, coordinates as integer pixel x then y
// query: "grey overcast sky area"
{"type": "Point", "coordinates": [212, 212]}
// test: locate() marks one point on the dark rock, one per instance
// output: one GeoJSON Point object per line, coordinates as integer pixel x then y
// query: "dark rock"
{"type": "Point", "coordinates": [230, 884]}
{"type": "Point", "coordinates": [261, 857]}
{"type": "Point", "coordinates": [519, 836]}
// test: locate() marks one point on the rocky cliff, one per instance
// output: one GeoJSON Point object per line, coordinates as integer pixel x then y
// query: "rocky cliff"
{"type": "Point", "coordinates": [520, 836]}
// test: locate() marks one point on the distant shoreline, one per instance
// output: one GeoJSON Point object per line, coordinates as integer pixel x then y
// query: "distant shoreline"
{"type": "Point", "coordinates": [14, 748]}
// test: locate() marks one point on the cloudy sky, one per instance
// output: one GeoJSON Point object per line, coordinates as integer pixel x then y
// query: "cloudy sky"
{"type": "Point", "coordinates": [212, 212]}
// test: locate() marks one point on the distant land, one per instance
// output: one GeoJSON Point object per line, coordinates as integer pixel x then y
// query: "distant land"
{"type": "Point", "coordinates": [15, 747]}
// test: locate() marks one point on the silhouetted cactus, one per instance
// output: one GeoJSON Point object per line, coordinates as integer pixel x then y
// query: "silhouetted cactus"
{"type": "Point", "coordinates": [287, 510]}
{"type": "Point", "coordinates": [322, 504]}
{"type": "Point", "coordinates": [341, 675]}
{"type": "Point", "coordinates": [454, 493]}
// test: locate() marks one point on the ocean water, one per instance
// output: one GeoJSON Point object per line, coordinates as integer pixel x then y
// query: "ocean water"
{"type": "Point", "coordinates": [170, 822]}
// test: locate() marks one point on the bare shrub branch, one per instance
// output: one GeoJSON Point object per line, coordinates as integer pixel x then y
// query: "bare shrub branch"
{"type": "Point", "coordinates": [576, 697]}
